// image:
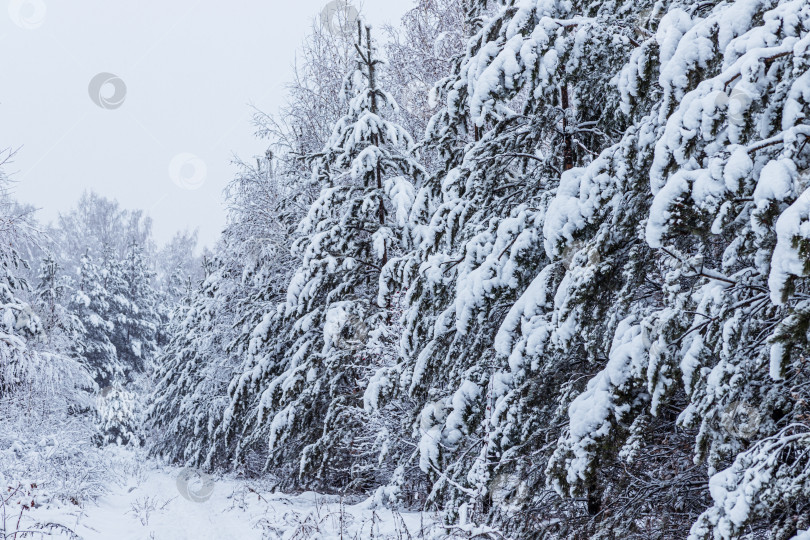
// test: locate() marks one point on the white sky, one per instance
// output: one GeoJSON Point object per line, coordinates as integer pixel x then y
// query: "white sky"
{"type": "Point", "coordinates": [192, 68]}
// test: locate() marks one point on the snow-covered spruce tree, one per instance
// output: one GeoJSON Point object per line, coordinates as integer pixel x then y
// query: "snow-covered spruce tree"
{"type": "Point", "coordinates": [592, 305]}
{"type": "Point", "coordinates": [178, 273]}
{"type": "Point", "coordinates": [18, 323]}
{"type": "Point", "coordinates": [52, 293]}
{"type": "Point", "coordinates": [133, 303]}
{"type": "Point", "coordinates": [311, 388]}
{"type": "Point", "coordinates": [135, 330]}
{"type": "Point", "coordinates": [91, 305]}
{"type": "Point", "coordinates": [266, 202]}
{"type": "Point", "coordinates": [192, 374]}
{"type": "Point", "coordinates": [695, 328]}
{"type": "Point", "coordinates": [101, 307]}
{"type": "Point", "coordinates": [212, 330]}
{"type": "Point", "coordinates": [533, 108]}
{"type": "Point", "coordinates": [728, 214]}
{"type": "Point", "coordinates": [109, 252]}
{"type": "Point", "coordinates": [61, 328]}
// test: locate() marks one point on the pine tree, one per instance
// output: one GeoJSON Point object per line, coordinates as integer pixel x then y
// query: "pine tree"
{"type": "Point", "coordinates": [213, 328]}
{"type": "Point", "coordinates": [480, 227]}
{"type": "Point", "coordinates": [53, 292]}
{"type": "Point", "coordinates": [18, 322]}
{"type": "Point", "coordinates": [91, 304]}
{"type": "Point", "coordinates": [178, 272]}
{"type": "Point", "coordinates": [135, 331]}
{"type": "Point", "coordinates": [192, 374]}
{"type": "Point", "coordinates": [313, 407]}
{"type": "Point", "coordinates": [739, 181]}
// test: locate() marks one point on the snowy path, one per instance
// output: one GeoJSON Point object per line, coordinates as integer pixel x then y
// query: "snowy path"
{"type": "Point", "coordinates": [147, 504]}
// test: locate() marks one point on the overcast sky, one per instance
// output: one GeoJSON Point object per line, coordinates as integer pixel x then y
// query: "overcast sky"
{"type": "Point", "coordinates": [190, 68]}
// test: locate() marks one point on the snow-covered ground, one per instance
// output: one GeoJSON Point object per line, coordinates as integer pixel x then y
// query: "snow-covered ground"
{"type": "Point", "coordinates": [148, 501]}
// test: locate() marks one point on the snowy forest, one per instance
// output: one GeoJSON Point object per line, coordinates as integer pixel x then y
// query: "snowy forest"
{"type": "Point", "coordinates": [508, 269]}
